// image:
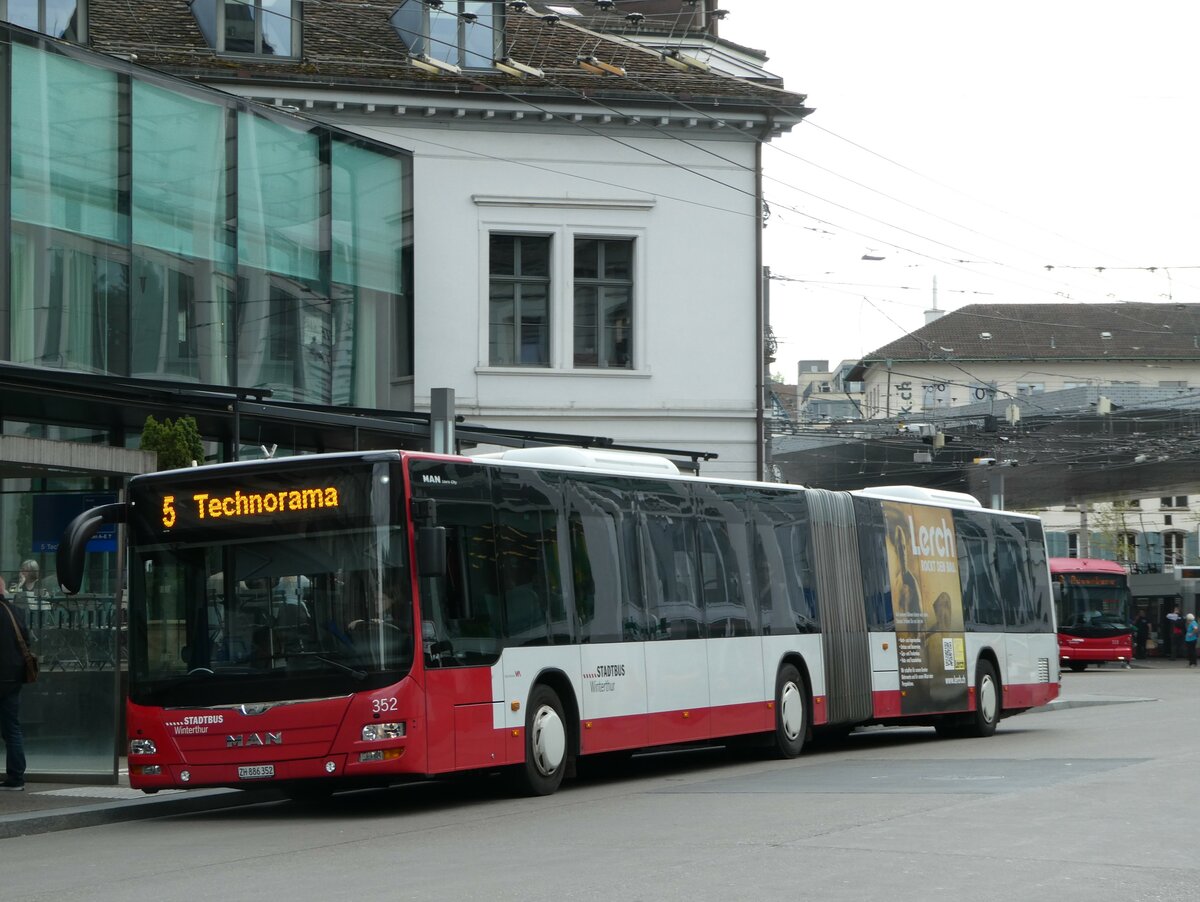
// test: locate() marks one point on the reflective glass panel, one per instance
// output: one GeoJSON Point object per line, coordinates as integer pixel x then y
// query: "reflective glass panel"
{"type": "Point", "coordinates": [65, 145]}
{"type": "Point", "coordinates": [179, 175]}
{"type": "Point", "coordinates": [479, 37]}
{"type": "Point", "coordinates": [239, 26]}
{"type": "Point", "coordinates": [368, 213]}
{"type": "Point", "coordinates": [279, 183]}
{"type": "Point", "coordinates": [60, 19]}
{"type": "Point", "coordinates": [24, 13]}
{"type": "Point", "coordinates": [277, 27]}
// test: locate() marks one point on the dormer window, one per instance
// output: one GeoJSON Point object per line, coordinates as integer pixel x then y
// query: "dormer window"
{"type": "Point", "coordinates": [65, 19]}
{"type": "Point", "coordinates": [466, 33]}
{"type": "Point", "coordinates": [252, 27]}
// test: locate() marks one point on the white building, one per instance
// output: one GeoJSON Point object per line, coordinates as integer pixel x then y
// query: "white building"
{"type": "Point", "coordinates": [1001, 353]}
{"type": "Point", "coordinates": [587, 210]}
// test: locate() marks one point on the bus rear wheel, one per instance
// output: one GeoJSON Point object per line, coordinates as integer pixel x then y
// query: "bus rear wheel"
{"type": "Point", "coordinates": [987, 701]}
{"type": "Point", "coordinates": [791, 712]}
{"type": "Point", "coordinates": [1078, 666]}
{"type": "Point", "coordinates": [545, 744]}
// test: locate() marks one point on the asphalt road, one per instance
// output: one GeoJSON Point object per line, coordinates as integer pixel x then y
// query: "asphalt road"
{"type": "Point", "coordinates": [1093, 801]}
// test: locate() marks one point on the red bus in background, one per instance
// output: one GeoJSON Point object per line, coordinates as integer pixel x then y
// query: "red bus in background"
{"type": "Point", "coordinates": [1091, 598]}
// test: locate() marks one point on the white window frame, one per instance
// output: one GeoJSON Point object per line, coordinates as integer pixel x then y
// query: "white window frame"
{"type": "Point", "coordinates": [1125, 546]}
{"type": "Point", "coordinates": [297, 8]}
{"type": "Point", "coordinates": [563, 229]}
{"type": "Point", "coordinates": [424, 44]}
{"type": "Point", "coordinates": [1073, 544]}
{"type": "Point", "coordinates": [1174, 556]}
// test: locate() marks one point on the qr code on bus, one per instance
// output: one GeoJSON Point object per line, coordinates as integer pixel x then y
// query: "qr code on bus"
{"type": "Point", "coordinates": [948, 654]}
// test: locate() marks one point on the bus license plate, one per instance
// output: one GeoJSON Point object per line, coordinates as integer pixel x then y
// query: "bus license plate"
{"type": "Point", "coordinates": [256, 772]}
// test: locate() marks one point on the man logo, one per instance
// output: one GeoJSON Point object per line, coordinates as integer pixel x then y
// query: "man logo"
{"type": "Point", "coordinates": [248, 740]}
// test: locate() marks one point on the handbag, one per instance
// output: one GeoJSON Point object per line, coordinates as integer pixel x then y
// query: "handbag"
{"type": "Point", "coordinates": [31, 661]}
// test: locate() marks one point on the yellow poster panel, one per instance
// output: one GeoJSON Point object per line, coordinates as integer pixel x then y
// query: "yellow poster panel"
{"type": "Point", "coordinates": [927, 603]}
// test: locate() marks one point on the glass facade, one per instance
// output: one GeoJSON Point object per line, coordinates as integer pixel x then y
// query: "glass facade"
{"type": "Point", "coordinates": [163, 231]}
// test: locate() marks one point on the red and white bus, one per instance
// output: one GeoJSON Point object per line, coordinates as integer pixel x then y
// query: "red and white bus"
{"type": "Point", "coordinates": [1091, 599]}
{"type": "Point", "coordinates": [340, 620]}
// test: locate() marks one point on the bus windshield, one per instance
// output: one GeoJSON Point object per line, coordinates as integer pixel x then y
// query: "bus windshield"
{"type": "Point", "coordinates": [1096, 607]}
{"type": "Point", "coordinates": [294, 616]}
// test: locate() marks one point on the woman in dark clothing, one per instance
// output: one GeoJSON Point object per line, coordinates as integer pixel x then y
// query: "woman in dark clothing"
{"type": "Point", "coordinates": [12, 678]}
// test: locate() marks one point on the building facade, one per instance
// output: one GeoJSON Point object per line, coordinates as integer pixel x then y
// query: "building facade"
{"type": "Point", "coordinates": [362, 206]}
{"type": "Point", "coordinates": [586, 194]}
{"type": "Point", "coordinates": [998, 354]}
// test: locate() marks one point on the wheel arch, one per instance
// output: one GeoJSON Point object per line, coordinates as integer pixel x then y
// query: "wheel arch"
{"type": "Point", "coordinates": [987, 653]}
{"type": "Point", "coordinates": [557, 680]}
{"type": "Point", "coordinates": [797, 660]}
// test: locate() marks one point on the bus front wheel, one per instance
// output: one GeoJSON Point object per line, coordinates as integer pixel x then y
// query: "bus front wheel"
{"type": "Point", "coordinates": [1077, 666]}
{"type": "Point", "coordinates": [791, 712]}
{"type": "Point", "coordinates": [545, 744]}
{"type": "Point", "coordinates": [987, 701]}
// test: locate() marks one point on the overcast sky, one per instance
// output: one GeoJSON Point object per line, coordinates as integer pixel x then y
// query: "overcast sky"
{"type": "Point", "coordinates": [1013, 136]}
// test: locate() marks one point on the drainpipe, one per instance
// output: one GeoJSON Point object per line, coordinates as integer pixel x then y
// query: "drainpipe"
{"type": "Point", "coordinates": [760, 306]}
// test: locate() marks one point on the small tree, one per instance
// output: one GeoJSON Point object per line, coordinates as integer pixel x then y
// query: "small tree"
{"type": "Point", "coordinates": [177, 443]}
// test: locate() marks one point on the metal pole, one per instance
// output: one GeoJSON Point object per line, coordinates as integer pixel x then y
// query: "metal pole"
{"type": "Point", "coordinates": [441, 420]}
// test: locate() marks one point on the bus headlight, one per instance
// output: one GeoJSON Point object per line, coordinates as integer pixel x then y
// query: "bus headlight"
{"type": "Point", "coordinates": [142, 747]}
{"type": "Point", "coordinates": [374, 732]}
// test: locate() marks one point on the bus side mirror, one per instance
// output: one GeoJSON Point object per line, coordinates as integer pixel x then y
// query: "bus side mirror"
{"type": "Point", "coordinates": [431, 551]}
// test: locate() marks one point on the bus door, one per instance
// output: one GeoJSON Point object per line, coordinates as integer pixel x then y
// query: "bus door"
{"type": "Point", "coordinates": [837, 569]}
{"type": "Point", "coordinates": [461, 624]}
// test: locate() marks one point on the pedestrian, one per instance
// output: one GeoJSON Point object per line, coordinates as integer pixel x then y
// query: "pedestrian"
{"type": "Point", "coordinates": [1141, 632]}
{"type": "Point", "coordinates": [27, 592]}
{"type": "Point", "coordinates": [1175, 632]}
{"type": "Point", "coordinates": [14, 637]}
{"type": "Point", "coordinates": [1192, 632]}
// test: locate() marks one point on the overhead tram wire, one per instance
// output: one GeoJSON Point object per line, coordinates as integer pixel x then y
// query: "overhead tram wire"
{"type": "Point", "coordinates": [736, 189]}
{"type": "Point", "coordinates": [708, 151]}
{"type": "Point", "coordinates": [667, 16]}
{"type": "Point", "coordinates": [970, 197]}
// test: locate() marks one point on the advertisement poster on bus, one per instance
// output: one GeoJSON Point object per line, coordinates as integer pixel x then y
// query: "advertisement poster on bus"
{"type": "Point", "coordinates": [927, 600]}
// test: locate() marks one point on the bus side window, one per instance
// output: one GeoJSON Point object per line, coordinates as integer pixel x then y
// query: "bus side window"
{"type": "Point", "coordinates": [1012, 566]}
{"type": "Point", "coordinates": [729, 607]}
{"type": "Point", "coordinates": [781, 570]}
{"type": "Point", "coordinates": [528, 560]}
{"type": "Point", "coordinates": [461, 617]}
{"type": "Point", "coordinates": [595, 572]}
{"type": "Point", "coordinates": [982, 610]}
{"type": "Point", "coordinates": [1040, 600]}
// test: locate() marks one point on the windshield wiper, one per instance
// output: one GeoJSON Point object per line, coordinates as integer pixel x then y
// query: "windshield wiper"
{"type": "Point", "coordinates": [357, 674]}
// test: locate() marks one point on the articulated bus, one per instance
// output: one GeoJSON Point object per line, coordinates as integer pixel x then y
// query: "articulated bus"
{"type": "Point", "coordinates": [334, 621]}
{"type": "Point", "coordinates": [1091, 599]}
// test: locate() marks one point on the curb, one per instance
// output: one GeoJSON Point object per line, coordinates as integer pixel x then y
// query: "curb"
{"type": "Point", "coordinates": [190, 802]}
{"type": "Point", "coordinates": [1058, 704]}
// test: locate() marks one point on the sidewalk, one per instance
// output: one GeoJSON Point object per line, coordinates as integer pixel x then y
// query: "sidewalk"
{"type": "Point", "coordinates": [46, 807]}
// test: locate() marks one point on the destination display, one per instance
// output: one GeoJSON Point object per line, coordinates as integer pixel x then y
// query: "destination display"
{"type": "Point", "coordinates": [1093, 579]}
{"type": "Point", "coordinates": [228, 503]}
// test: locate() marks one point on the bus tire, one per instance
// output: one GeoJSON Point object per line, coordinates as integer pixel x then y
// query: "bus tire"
{"type": "Point", "coordinates": [545, 744]}
{"type": "Point", "coordinates": [1077, 666]}
{"type": "Point", "coordinates": [791, 712]}
{"type": "Point", "coordinates": [988, 699]}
